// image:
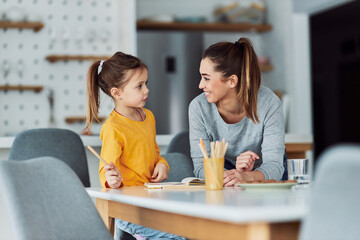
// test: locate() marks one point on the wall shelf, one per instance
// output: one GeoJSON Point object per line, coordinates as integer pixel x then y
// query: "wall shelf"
{"type": "Point", "coordinates": [56, 58]}
{"type": "Point", "coordinates": [79, 119]}
{"type": "Point", "coordinates": [35, 88]}
{"type": "Point", "coordinates": [266, 67]}
{"type": "Point", "coordinates": [36, 26]}
{"type": "Point", "coordinates": [211, 27]}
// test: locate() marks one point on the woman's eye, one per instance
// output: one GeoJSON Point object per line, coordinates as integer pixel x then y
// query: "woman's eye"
{"type": "Point", "coordinates": [206, 79]}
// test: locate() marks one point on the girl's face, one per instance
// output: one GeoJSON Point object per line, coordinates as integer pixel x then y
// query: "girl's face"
{"type": "Point", "coordinates": [212, 82]}
{"type": "Point", "coordinates": [135, 93]}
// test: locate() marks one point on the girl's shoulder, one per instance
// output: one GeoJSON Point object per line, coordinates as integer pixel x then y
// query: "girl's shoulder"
{"type": "Point", "coordinates": [148, 113]}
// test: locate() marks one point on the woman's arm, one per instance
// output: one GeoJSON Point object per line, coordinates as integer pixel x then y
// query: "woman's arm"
{"type": "Point", "coordinates": [273, 145]}
{"type": "Point", "coordinates": [197, 130]}
{"type": "Point", "coordinates": [272, 149]}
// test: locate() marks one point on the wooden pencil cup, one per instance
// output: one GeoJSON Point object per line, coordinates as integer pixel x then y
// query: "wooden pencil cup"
{"type": "Point", "coordinates": [214, 173]}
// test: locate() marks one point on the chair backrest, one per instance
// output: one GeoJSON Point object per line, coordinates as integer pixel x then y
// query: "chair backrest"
{"type": "Point", "coordinates": [45, 200]}
{"type": "Point", "coordinates": [285, 174]}
{"type": "Point", "coordinates": [62, 144]}
{"type": "Point", "coordinates": [181, 166]}
{"type": "Point", "coordinates": [334, 201]}
{"type": "Point", "coordinates": [180, 143]}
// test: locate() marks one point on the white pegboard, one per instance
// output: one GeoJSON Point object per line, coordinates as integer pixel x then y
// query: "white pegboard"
{"type": "Point", "coordinates": [81, 27]}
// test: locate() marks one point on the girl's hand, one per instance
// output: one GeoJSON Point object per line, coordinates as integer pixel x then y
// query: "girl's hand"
{"type": "Point", "coordinates": [113, 176]}
{"type": "Point", "coordinates": [245, 161]}
{"type": "Point", "coordinates": [160, 173]}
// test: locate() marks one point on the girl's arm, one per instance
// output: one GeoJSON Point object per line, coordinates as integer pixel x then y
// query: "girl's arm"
{"type": "Point", "coordinates": [111, 151]}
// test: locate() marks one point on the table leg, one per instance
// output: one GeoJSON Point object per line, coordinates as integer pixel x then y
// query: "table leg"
{"type": "Point", "coordinates": [103, 209]}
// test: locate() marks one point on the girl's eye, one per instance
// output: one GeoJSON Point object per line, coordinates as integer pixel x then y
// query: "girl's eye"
{"type": "Point", "coordinates": [206, 79]}
{"type": "Point", "coordinates": [139, 86]}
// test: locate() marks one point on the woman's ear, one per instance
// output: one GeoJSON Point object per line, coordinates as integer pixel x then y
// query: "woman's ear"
{"type": "Point", "coordinates": [232, 81]}
{"type": "Point", "coordinates": [116, 93]}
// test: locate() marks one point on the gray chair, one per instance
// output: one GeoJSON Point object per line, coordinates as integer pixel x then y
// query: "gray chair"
{"type": "Point", "coordinates": [181, 166]}
{"type": "Point", "coordinates": [180, 143]}
{"type": "Point", "coordinates": [62, 144]}
{"type": "Point", "coordinates": [178, 157]}
{"type": "Point", "coordinates": [334, 201]}
{"type": "Point", "coordinates": [45, 200]}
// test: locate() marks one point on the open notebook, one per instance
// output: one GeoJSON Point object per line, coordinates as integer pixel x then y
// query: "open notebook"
{"type": "Point", "coordinates": [185, 183]}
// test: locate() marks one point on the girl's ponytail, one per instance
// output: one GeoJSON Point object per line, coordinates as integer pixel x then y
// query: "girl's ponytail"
{"type": "Point", "coordinates": [93, 95]}
{"type": "Point", "coordinates": [250, 79]}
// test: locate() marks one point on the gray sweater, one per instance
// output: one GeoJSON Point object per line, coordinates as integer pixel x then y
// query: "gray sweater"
{"type": "Point", "coordinates": [267, 138]}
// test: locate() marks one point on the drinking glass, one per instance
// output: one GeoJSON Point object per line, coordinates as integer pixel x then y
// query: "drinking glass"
{"type": "Point", "coordinates": [298, 169]}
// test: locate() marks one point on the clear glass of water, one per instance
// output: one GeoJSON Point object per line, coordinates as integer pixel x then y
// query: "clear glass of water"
{"type": "Point", "coordinates": [298, 169]}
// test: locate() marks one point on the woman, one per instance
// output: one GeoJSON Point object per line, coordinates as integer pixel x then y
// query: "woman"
{"type": "Point", "coordinates": [234, 106]}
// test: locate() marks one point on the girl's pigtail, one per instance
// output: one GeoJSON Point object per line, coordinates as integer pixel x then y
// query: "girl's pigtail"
{"type": "Point", "coordinates": [250, 79]}
{"type": "Point", "coordinates": [92, 95]}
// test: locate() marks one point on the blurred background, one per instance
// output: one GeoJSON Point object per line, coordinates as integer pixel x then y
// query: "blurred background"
{"type": "Point", "coordinates": [46, 47]}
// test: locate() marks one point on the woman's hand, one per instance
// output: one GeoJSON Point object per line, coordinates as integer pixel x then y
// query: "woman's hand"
{"type": "Point", "coordinates": [113, 176]}
{"type": "Point", "coordinates": [245, 161]}
{"type": "Point", "coordinates": [160, 173]}
{"type": "Point", "coordinates": [233, 176]}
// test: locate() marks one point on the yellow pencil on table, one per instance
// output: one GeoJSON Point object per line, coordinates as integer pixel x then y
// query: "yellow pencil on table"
{"type": "Point", "coordinates": [97, 155]}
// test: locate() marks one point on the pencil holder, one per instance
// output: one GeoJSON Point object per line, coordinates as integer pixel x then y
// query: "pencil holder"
{"type": "Point", "coordinates": [214, 173]}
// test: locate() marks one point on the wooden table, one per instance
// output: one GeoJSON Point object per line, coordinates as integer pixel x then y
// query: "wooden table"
{"type": "Point", "coordinates": [199, 214]}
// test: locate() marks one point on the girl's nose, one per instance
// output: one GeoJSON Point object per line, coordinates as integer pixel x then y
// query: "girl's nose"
{"type": "Point", "coordinates": [146, 90]}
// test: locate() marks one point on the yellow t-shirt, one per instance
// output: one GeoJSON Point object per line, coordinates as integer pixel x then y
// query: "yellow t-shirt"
{"type": "Point", "coordinates": [131, 146]}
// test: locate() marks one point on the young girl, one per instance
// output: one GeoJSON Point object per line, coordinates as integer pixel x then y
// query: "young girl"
{"type": "Point", "coordinates": [128, 134]}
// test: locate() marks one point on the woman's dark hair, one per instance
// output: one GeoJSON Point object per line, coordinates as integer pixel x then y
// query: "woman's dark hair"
{"type": "Point", "coordinates": [239, 59]}
{"type": "Point", "coordinates": [112, 73]}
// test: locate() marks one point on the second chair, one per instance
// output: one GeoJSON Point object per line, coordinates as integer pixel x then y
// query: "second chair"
{"type": "Point", "coordinates": [62, 144]}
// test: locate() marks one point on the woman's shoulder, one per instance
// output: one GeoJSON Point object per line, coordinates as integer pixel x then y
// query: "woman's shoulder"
{"type": "Point", "coordinates": [268, 102]}
{"type": "Point", "coordinates": [266, 95]}
{"type": "Point", "coordinates": [199, 102]}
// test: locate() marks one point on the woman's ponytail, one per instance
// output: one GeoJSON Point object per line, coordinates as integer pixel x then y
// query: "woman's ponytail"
{"type": "Point", "coordinates": [250, 79]}
{"type": "Point", "coordinates": [239, 58]}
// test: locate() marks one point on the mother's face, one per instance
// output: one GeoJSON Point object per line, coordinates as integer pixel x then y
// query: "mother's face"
{"type": "Point", "coordinates": [212, 82]}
